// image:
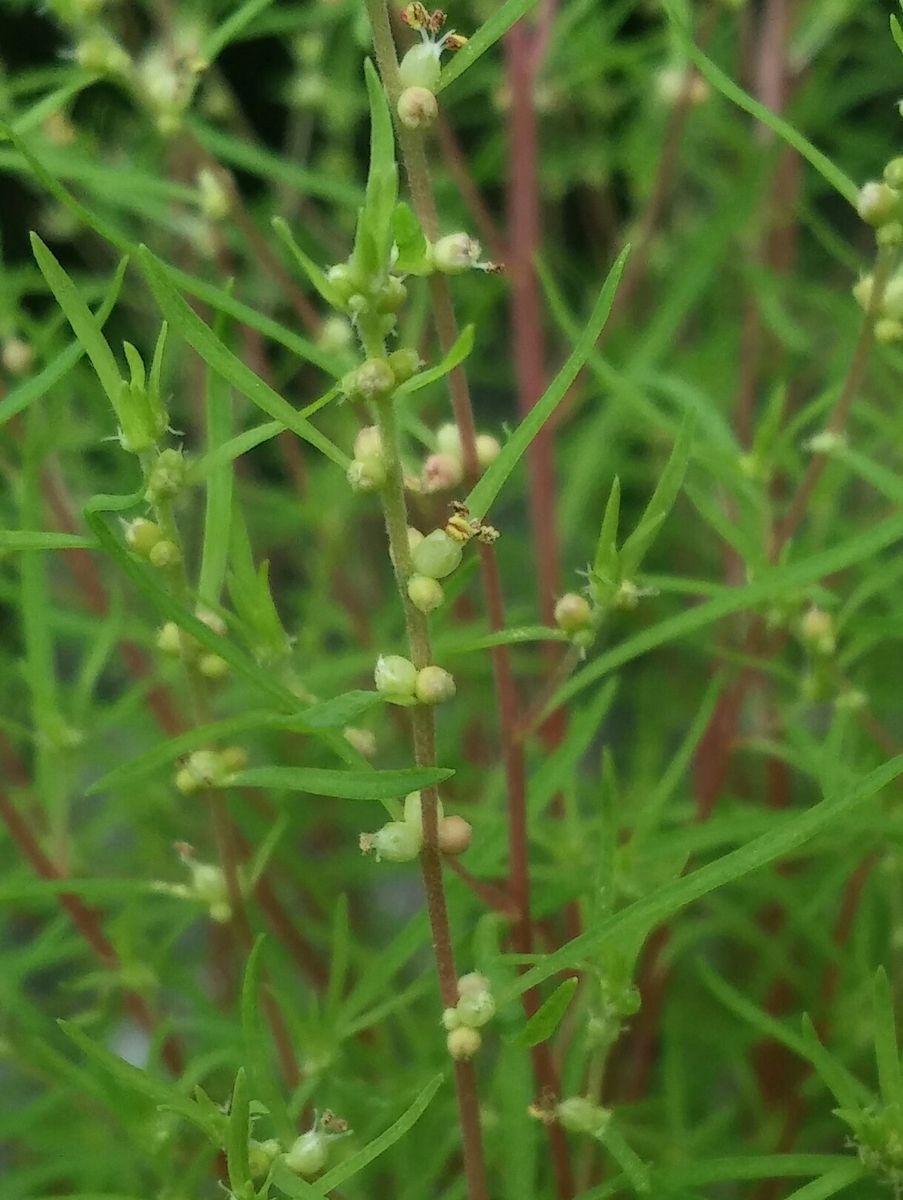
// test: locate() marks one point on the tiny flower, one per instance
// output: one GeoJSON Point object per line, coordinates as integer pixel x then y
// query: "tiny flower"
{"type": "Point", "coordinates": [488, 449]}
{"type": "Point", "coordinates": [434, 685]}
{"type": "Point", "coordinates": [441, 472]}
{"type": "Point", "coordinates": [456, 253]}
{"type": "Point", "coordinates": [862, 291]}
{"type": "Point", "coordinates": [472, 983]}
{"type": "Point", "coordinates": [397, 841]}
{"type": "Point", "coordinates": [417, 108]}
{"type": "Point", "coordinates": [448, 440]}
{"type": "Point", "coordinates": [17, 356]}
{"type": "Point", "coordinates": [204, 768]}
{"type": "Point", "coordinates": [475, 1009]}
{"type": "Point", "coordinates": [395, 678]}
{"type": "Point", "coordinates": [893, 174]}
{"type": "Point", "coordinates": [573, 613]}
{"type": "Point", "coordinates": [307, 1156]}
{"type": "Point", "coordinates": [437, 555]}
{"type": "Point", "coordinates": [166, 477]}
{"type": "Point", "coordinates": [455, 835]}
{"type": "Point", "coordinates": [450, 1019]}
{"type": "Point", "coordinates": [142, 535]}
{"type": "Point", "coordinates": [390, 297]}
{"type": "Point", "coordinates": [363, 741]}
{"type": "Point", "coordinates": [579, 1115]}
{"type": "Point", "coordinates": [892, 299]}
{"type": "Point", "coordinates": [169, 639]}
{"type": "Point", "coordinates": [261, 1156]}
{"type": "Point", "coordinates": [213, 194]}
{"type": "Point", "coordinates": [888, 331]}
{"type": "Point", "coordinates": [817, 630]}
{"type": "Point", "coordinates": [373, 380]}
{"type": "Point", "coordinates": [463, 1043]}
{"type": "Point", "coordinates": [164, 555]}
{"type": "Point", "coordinates": [101, 55]}
{"type": "Point", "coordinates": [405, 363]}
{"type": "Point", "coordinates": [212, 666]}
{"type": "Point", "coordinates": [877, 204]}
{"type": "Point", "coordinates": [368, 476]}
{"type": "Point", "coordinates": [424, 593]}
{"type": "Point", "coordinates": [344, 281]}
{"type": "Point", "coordinates": [335, 335]}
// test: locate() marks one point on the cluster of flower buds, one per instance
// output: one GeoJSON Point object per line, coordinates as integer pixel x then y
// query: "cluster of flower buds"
{"type": "Point", "coordinates": [147, 540]}
{"type": "Point", "coordinates": [17, 356]}
{"type": "Point", "coordinates": [439, 554]}
{"type": "Point", "coordinates": [475, 1008]}
{"type": "Point", "coordinates": [402, 841]}
{"type": "Point", "coordinates": [420, 68]}
{"type": "Point", "coordinates": [166, 476]}
{"type": "Point", "coordinates": [444, 469]}
{"type": "Point", "coordinates": [399, 681]}
{"type": "Point", "coordinates": [379, 298]}
{"type": "Point", "coordinates": [575, 616]}
{"type": "Point", "coordinates": [209, 769]}
{"type": "Point", "coordinates": [309, 1153]}
{"type": "Point", "coordinates": [176, 642]}
{"type": "Point", "coordinates": [889, 323]}
{"type": "Point", "coordinates": [880, 204]}
{"type": "Point", "coordinates": [377, 378]}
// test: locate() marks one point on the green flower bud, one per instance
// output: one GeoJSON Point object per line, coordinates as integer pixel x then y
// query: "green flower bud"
{"type": "Point", "coordinates": [211, 666]}
{"type": "Point", "coordinates": [405, 364]}
{"type": "Point", "coordinates": [142, 536]}
{"type": "Point", "coordinates": [472, 984]}
{"type": "Point", "coordinates": [336, 335]}
{"type": "Point", "coordinates": [488, 449]}
{"type": "Point", "coordinates": [368, 444]}
{"type": "Point", "coordinates": [877, 203]}
{"type": "Point", "coordinates": [391, 295]}
{"type": "Point", "coordinates": [373, 380]}
{"type": "Point", "coordinates": [398, 841]}
{"type": "Point", "coordinates": [463, 1043]}
{"type": "Point", "coordinates": [166, 477]}
{"type": "Point", "coordinates": [165, 555]}
{"type": "Point", "coordinates": [887, 331]}
{"type": "Point", "coordinates": [455, 253]}
{"type": "Point", "coordinates": [892, 298]}
{"type": "Point", "coordinates": [893, 174]}
{"type": "Point", "coordinates": [204, 768]}
{"type": "Point", "coordinates": [424, 593]}
{"type": "Point", "coordinates": [367, 476]}
{"type": "Point", "coordinates": [101, 55]}
{"type": "Point", "coordinates": [448, 440]}
{"type": "Point", "coordinates": [573, 613]}
{"type": "Point", "coordinates": [308, 1155]}
{"type": "Point", "coordinates": [437, 555]}
{"type": "Point", "coordinates": [261, 1156]}
{"type": "Point", "coordinates": [395, 678]}
{"type": "Point", "coordinates": [17, 356]}
{"type": "Point", "coordinates": [234, 758]}
{"type": "Point", "coordinates": [420, 67]}
{"type": "Point", "coordinates": [214, 198]}
{"type": "Point", "coordinates": [579, 1115]}
{"type": "Point", "coordinates": [476, 1008]}
{"type": "Point", "coordinates": [417, 108]}
{"type": "Point", "coordinates": [344, 281]}
{"type": "Point", "coordinates": [170, 639]}
{"type": "Point", "coordinates": [450, 1019]}
{"type": "Point", "coordinates": [817, 631]}
{"type": "Point", "coordinates": [434, 685]}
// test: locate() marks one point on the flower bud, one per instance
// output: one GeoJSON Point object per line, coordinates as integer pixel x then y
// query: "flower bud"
{"type": "Point", "coordinates": [142, 536]}
{"type": "Point", "coordinates": [413, 810]}
{"type": "Point", "coordinates": [862, 291]}
{"type": "Point", "coordinates": [391, 296]}
{"type": "Point", "coordinates": [455, 253]}
{"type": "Point", "coordinates": [212, 620]}
{"type": "Point", "coordinates": [417, 108]}
{"type": "Point", "coordinates": [415, 537]}
{"type": "Point", "coordinates": [164, 555]}
{"type": "Point", "coordinates": [892, 298]}
{"type": "Point", "coordinates": [261, 1156]}
{"type": "Point", "coordinates": [573, 613]}
{"type": "Point", "coordinates": [17, 356]}
{"type": "Point", "coordinates": [213, 195]}
{"type": "Point", "coordinates": [101, 55]}
{"type": "Point", "coordinates": [472, 983]}
{"type": "Point", "coordinates": [817, 631]}
{"type": "Point", "coordinates": [373, 380]}
{"type": "Point", "coordinates": [448, 440]}
{"type": "Point", "coordinates": [434, 685]}
{"type": "Point", "coordinates": [877, 203]}
{"type": "Point", "coordinates": [398, 841]}
{"type": "Point", "coordinates": [395, 678]}
{"type": "Point", "coordinates": [420, 67]}
{"type": "Point", "coordinates": [367, 476]}
{"type": "Point", "coordinates": [488, 449]}
{"type": "Point", "coordinates": [166, 477]}
{"type": "Point", "coordinates": [475, 1009]}
{"type": "Point", "coordinates": [579, 1115]}
{"type": "Point", "coordinates": [441, 472]}
{"type": "Point", "coordinates": [211, 666]}
{"type": "Point", "coordinates": [208, 882]}
{"type": "Point", "coordinates": [344, 281]}
{"type": "Point", "coordinates": [463, 1043]}
{"type": "Point", "coordinates": [335, 335]}
{"type": "Point", "coordinates": [363, 741]}
{"type": "Point", "coordinates": [405, 363]}
{"type": "Point", "coordinates": [308, 1155]}
{"type": "Point", "coordinates": [887, 331]}
{"type": "Point", "coordinates": [455, 835]}
{"type": "Point", "coordinates": [234, 758]}
{"type": "Point", "coordinates": [368, 443]}
{"type": "Point", "coordinates": [437, 555]}
{"type": "Point", "coordinates": [204, 768]}
{"type": "Point", "coordinates": [424, 593]}
{"type": "Point", "coordinates": [450, 1019]}
{"type": "Point", "coordinates": [169, 639]}
{"type": "Point", "coordinates": [893, 174]}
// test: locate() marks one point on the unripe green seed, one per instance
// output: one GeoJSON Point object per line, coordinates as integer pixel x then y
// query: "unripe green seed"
{"type": "Point", "coordinates": [877, 203]}
{"type": "Point", "coordinates": [261, 1156]}
{"type": "Point", "coordinates": [420, 67]}
{"type": "Point", "coordinates": [455, 253]}
{"type": "Point", "coordinates": [417, 108]}
{"type": "Point", "coordinates": [463, 1043]}
{"type": "Point", "coordinates": [142, 535]}
{"type": "Point", "coordinates": [373, 380]}
{"type": "Point", "coordinates": [437, 555]}
{"type": "Point", "coordinates": [395, 678]}
{"type": "Point", "coordinates": [434, 685]}
{"type": "Point", "coordinates": [488, 449]}
{"type": "Point", "coordinates": [164, 555]}
{"type": "Point", "coordinates": [405, 364]}
{"type": "Point", "coordinates": [424, 593]}
{"type": "Point", "coordinates": [476, 1008]}
{"type": "Point", "coordinates": [397, 841]}
{"type": "Point", "coordinates": [166, 477]}
{"type": "Point", "coordinates": [579, 1115]}
{"type": "Point", "coordinates": [211, 666]}
{"type": "Point", "coordinates": [367, 476]}
{"type": "Point", "coordinates": [893, 174]}
{"type": "Point", "coordinates": [308, 1155]}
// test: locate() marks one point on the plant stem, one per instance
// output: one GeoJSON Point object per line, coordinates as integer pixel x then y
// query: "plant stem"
{"type": "Point", "coordinates": [423, 728]}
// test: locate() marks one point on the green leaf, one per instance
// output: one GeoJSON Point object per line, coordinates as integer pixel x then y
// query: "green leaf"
{"type": "Point", "coordinates": [606, 567]}
{"type": "Point", "coordinates": [491, 483]}
{"type": "Point", "coordinates": [484, 39]}
{"type": "Point", "coordinates": [411, 242]}
{"type": "Point", "coordinates": [256, 1050]}
{"type": "Point", "coordinates": [198, 335]}
{"type": "Point", "coordinates": [239, 1132]}
{"type": "Point", "coordinates": [218, 512]}
{"type": "Point", "coordinates": [85, 325]}
{"type": "Point", "coordinates": [638, 544]}
{"type": "Point", "coordinates": [897, 32]}
{"type": "Point", "coordinates": [777, 843]}
{"type": "Point", "coordinates": [887, 1055]}
{"type": "Point", "coordinates": [229, 30]}
{"type": "Point", "coordinates": [373, 241]}
{"type": "Point", "coordinates": [457, 354]}
{"type": "Point", "coordinates": [831, 1183]}
{"type": "Point", "coordinates": [345, 785]}
{"type": "Point", "coordinates": [38, 539]}
{"type": "Point", "coordinates": [627, 1159]}
{"type": "Point", "coordinates": [355, 1164]}
{"type": "Point", "coordinates": [831, 173]}
{"type": "Point", "coordinates": [549, 1015]}
{"type": "Point", "coordinates": [314, 273]}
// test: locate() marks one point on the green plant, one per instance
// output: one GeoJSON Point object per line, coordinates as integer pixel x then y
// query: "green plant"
{"type": "Point", "coordinates": [280, 630]}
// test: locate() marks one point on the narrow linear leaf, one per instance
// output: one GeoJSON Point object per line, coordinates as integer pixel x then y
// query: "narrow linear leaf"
{"type": "Point", "coordinates": [37, 539]}
{"type": "Point", "coordinates": [257, 1054]}
{"type": "Point", "coordinates": [461, 349]}
{"type": "Point", "coordinates": [484, 39]}
{"type": "Point", "coordinates": [489, 486]}
{"type": "Point", "coordinates": [887, 1055]}
{"type": "Point", "coordinates": [549, 1015]}
{"type": "Point", "coordinates": [831, 1183]}
{"type": "Point", "coordinates": [232, 27]}
{"type": "Point", "coordinates": [345, 785]}
{"type": "Point", "coordinates": [314, 273]}
{"type": "Point", "coordinates": [355, 1164]}
{"type": "Point", "coordinates": [238, 1133]}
